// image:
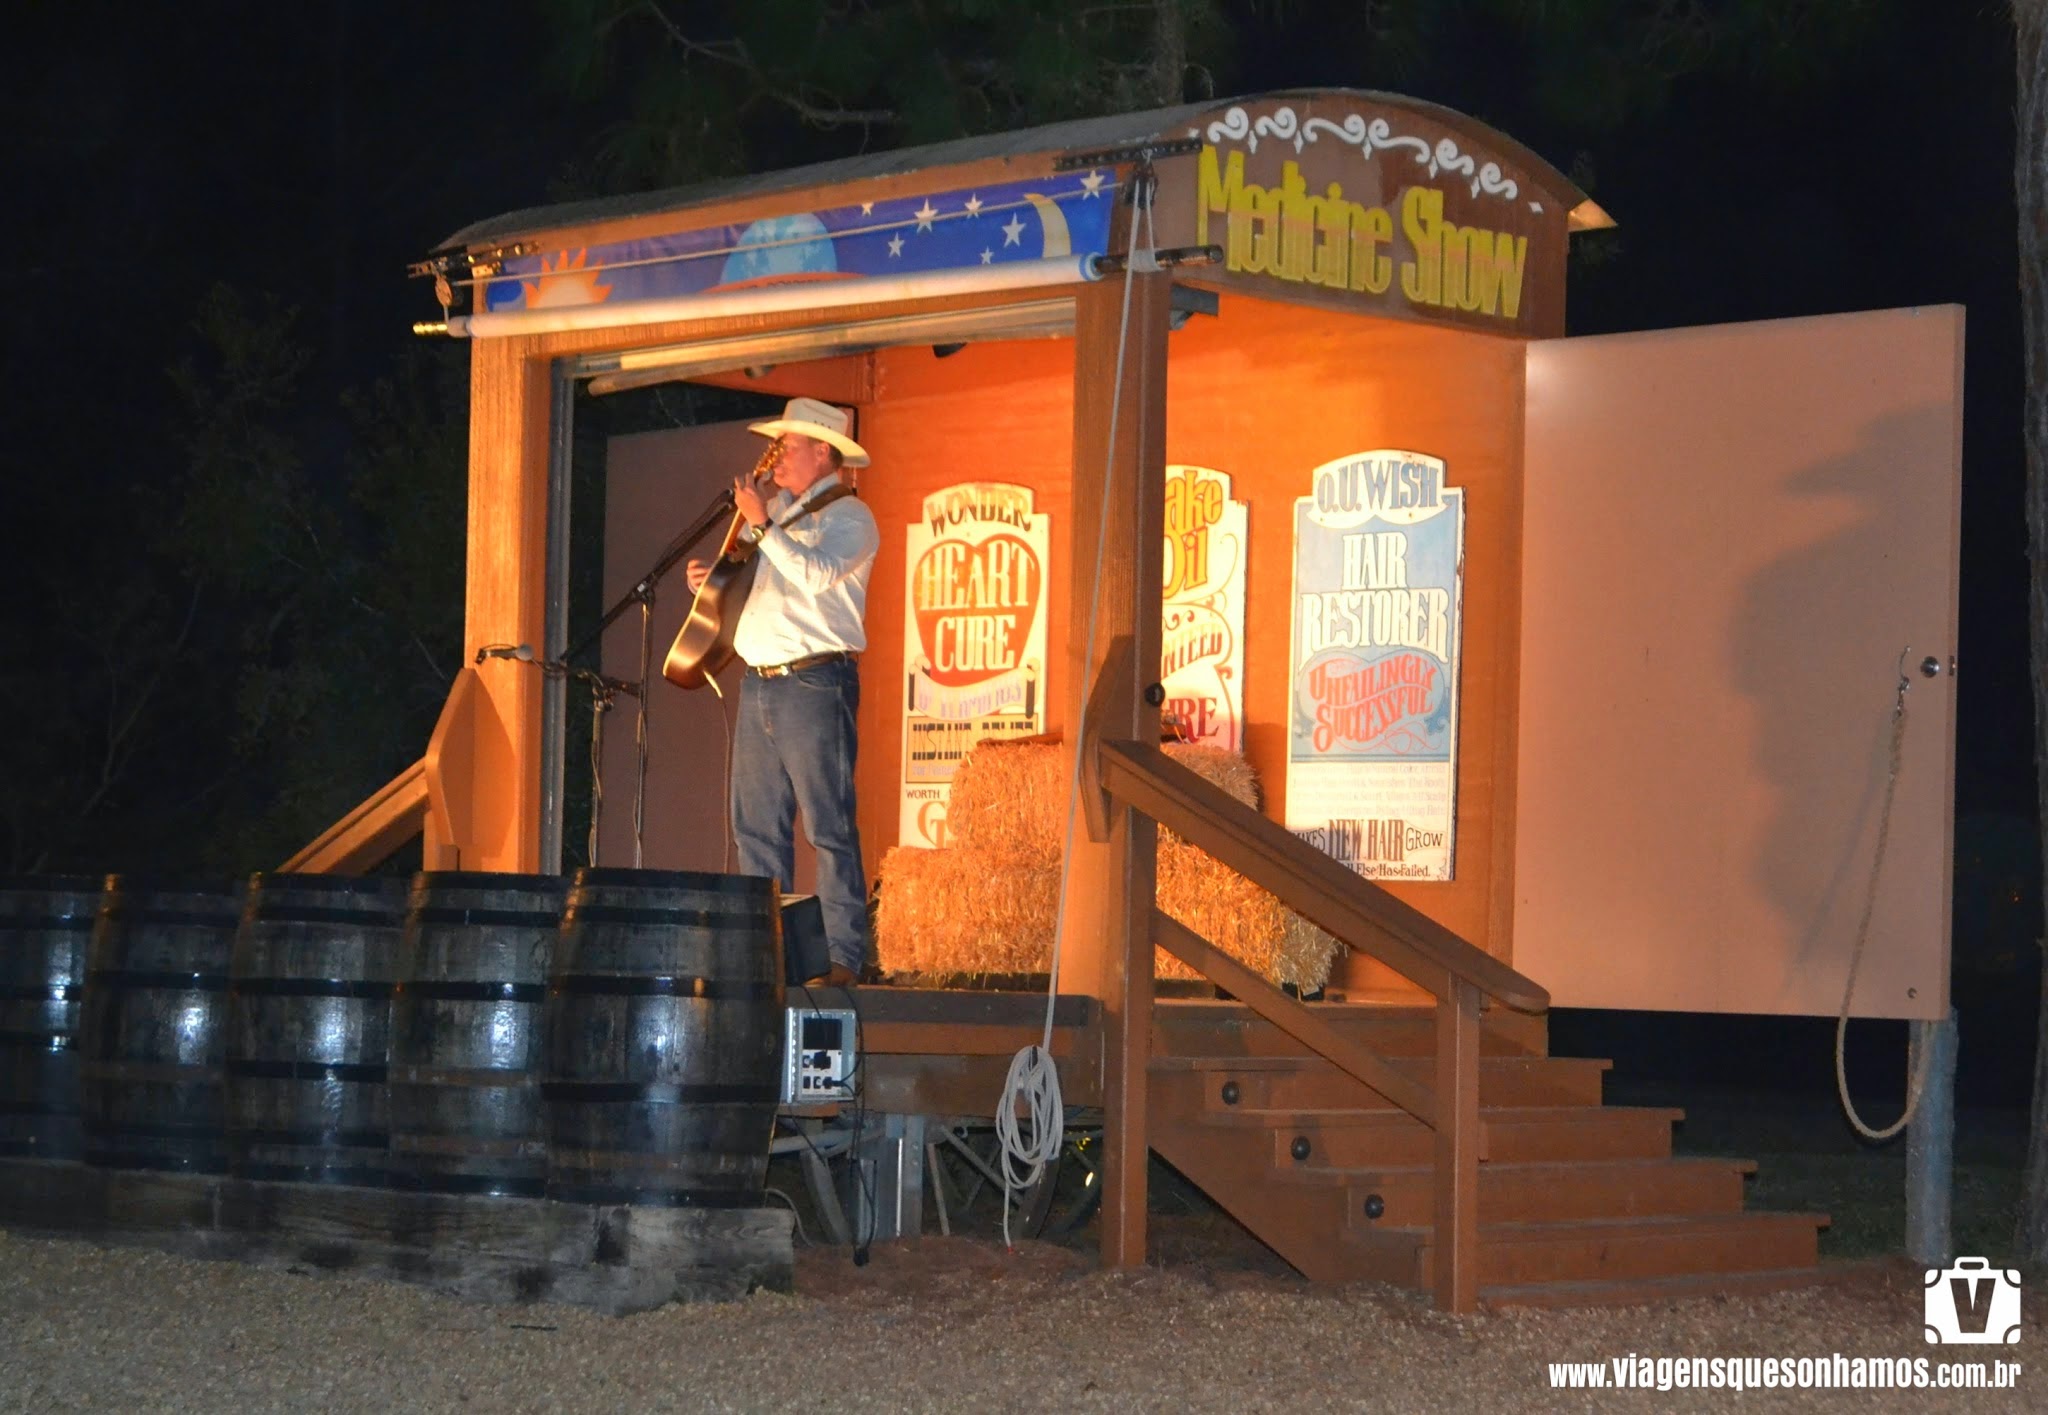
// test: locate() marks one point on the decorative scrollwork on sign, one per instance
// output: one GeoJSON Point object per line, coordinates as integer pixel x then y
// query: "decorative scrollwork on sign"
{"type": "Point", "coordinates": [1352, 131]}
{"type": "Point", "coordinates": [1369, 137]}
{"type": "Point", "coordinates": [1449, 159]}
{"type": "Point", "coordinates": [1235, 125]}
{"type": "Point", "coordinates": [1281, 125]}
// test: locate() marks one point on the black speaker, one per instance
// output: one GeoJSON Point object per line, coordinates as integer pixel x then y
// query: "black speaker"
{"type": "Point", "coordinates": [804, 955]}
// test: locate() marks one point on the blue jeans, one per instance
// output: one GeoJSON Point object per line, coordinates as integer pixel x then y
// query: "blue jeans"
{"type": "Point", "coordinates": [794, 751]}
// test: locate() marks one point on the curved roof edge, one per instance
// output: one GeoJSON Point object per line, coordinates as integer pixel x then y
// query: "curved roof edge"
{"type": "Point", "coordinates": [1078, 134]}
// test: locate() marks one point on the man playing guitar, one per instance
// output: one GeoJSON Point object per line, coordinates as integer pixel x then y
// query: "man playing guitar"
{"type": "Point", "coordinates": [801, 633]}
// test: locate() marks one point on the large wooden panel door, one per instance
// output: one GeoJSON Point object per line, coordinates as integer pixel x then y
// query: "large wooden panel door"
{"type": "Point", "coordinates": [1734, 537]}
{"type": "Point", "coordinates": [655, 484]}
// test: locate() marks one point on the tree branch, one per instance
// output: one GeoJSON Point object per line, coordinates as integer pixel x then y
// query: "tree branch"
{"type": "Point", "coordinates": [733, 53]}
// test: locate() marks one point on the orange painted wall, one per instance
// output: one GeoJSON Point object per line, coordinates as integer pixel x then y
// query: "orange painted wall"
{"type": "Point", "coordinates": [1264, 392]}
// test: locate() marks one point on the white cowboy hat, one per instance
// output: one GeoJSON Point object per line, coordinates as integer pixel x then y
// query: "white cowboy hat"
{"type": "Point", "coordinates": [816, 419]}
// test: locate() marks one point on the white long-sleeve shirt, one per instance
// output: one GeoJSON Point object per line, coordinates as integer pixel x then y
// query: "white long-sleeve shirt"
{"type": "Point", "coordinates": [810, 593]}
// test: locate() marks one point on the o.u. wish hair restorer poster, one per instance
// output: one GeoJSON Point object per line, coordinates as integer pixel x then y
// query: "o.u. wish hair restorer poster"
{"type": "Point", "coordinates": [1379, 564]}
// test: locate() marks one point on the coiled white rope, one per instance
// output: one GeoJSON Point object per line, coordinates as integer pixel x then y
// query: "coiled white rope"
{"type": "Point", "coordinates": [1033, 1083]}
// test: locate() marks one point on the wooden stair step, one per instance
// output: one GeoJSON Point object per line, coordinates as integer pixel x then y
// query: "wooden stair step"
{"type": "Point", "coordinates": [1306, 1082]}
{"type": "Point", "coordinates": [1606, 1250]}
{"type": "Point", "coordinates": [1645, 1292]}
{"type": "Point", "coordinates": [1348, 1138]}
{"type": "Point", "coordinates": [1540, 1193]}
{"type": "Point", "coordinates": [1232, 1029]}
{"type": "Point", "coordinates": [1304, 1226]}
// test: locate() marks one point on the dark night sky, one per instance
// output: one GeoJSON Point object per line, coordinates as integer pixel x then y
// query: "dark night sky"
{"type": "Point", "coordinates": [313, 150]}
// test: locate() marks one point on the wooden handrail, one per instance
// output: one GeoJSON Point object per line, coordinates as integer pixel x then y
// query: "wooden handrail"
{"type": "Point", "coordinates": [367, 835]}
{"type": "Point", "coordinates": [1306, 880]}
{"type": "Point", "coordinates": [431, 796]}
{"type": "Point", "coordinates": [1140, 778]}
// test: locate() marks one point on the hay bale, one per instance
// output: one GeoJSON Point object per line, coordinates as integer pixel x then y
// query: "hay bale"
{"type": "Point", "coordinates": [1306, 954]}
{"type": "Point", "coordinates": [1010, 797]}
{"type": "Point", "coordinates": [989, 903]}
{"type": "Point", "coordinates": [965, 910]}
{"type": "Point", "coordinates": [1219, 768]}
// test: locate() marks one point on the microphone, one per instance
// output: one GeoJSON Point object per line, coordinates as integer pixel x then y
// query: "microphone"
{"type": "Point", "coordinates": [522, 652]}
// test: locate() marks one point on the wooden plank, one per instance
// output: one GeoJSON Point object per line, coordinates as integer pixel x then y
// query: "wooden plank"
{"type": "Point", "coordinates": [1109, 709]}
{"type": "Point", "coordinates": [510, 407]}
{"type": "Point", "coordinates": [1123, 600]}
{"type": "Point", "coordinates": [368, 835]}
{"type": "Point", "coordinates": [959, 1005]}
{"type": "Point", "coordinates": [969, 1039]}
{"type": "Point", "coordinates": [1293, 1017]}
{"type": "Point", "coordinates": [963, 1085]}
{"type": "Point", "coordinates": [1306, 880]}
{"type": "Point", "coordinates": [1456, 1240]}
{"type": "Point", "coordinates": [613, 1258]}
{"type": "Point", "coordinates": [1131, 904]}
{"type": "Point", "coordinates": [55, 1196]}
{"type": "Point", "coordinates": [450, 768]}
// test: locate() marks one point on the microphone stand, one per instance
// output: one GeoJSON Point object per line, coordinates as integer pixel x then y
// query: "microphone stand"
{"type": "Point", "coordinates": [604, 691]}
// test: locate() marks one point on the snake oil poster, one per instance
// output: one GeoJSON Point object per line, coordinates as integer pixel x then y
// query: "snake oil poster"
{"type": "Point", "coordinates": [1201, 640]}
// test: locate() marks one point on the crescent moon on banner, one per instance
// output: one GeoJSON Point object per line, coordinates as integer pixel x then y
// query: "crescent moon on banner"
{"type": "Point", "coordinates": [1053, 222]}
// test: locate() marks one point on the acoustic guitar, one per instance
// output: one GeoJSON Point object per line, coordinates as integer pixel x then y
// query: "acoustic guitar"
{"type": "Point", "coordinates": [703, 646]}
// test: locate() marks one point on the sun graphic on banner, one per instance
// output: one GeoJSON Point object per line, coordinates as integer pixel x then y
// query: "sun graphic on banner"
{"type": "Point", "coordinates": [564, 281]}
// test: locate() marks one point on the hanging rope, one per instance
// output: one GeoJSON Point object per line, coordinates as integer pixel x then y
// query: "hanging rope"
{"type": "Point", "coordinates": [1917, 1080]}
{"type": "Point", "coordinates": [1034, 1081]}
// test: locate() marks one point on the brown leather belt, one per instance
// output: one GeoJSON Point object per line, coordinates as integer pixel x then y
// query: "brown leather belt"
{"type": "Point", "coordinates": [778, 670]}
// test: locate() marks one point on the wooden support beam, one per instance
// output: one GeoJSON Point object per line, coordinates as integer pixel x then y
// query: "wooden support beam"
{"type": "Point", "coordinates": [510, 407]}
{"type": "Point", "coordinates": [1129, 902]}
{"type": "Point", "coordinates": [1119, 495]}
{"type": "Point", "coordinates": [1456, 1240]}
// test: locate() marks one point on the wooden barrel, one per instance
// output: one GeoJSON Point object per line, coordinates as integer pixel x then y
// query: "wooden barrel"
{"type": "Point", "coordinates": [466, 1032]}
{"type": "Point", "coordinates": [45, 928]}
{"type": "Point", "coordinates": [309, 1029]}
{"type": "Point", "coordinates": [153, 1036]}
{"type": "Point", "coordinates": [664, 1022]}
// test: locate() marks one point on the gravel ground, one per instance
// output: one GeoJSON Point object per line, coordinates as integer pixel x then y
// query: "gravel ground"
{"type": "Point", "coordinates": [943, 1324]}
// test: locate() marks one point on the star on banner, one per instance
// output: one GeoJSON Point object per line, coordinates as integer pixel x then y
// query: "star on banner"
{"type": "Point", "coordinates": [1091, 185]}
{"type": "Point", "coordinates": [974, 205]}
{"type": "Point", "coordinates": [867, 208]}
{"type": "Point", "coordinates": [987, 256]}
{"type": "Point", "coordinates": [924, 215]}
{"type": "Point", "coordinates": [1013, 231]}
{"type": "Point", "coordinates": [895, 245]}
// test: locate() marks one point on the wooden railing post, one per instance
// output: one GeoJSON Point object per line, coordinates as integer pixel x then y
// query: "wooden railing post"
{"type": "Point", "coordinates": [1457, 1148]}
{"type": "Point", "coordinates": [1133, 843]}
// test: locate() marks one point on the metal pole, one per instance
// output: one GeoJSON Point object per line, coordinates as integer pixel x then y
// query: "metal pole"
{"type": "Point", "coordinates": [1931, 1144]}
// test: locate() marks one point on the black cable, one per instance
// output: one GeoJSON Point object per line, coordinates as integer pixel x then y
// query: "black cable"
{"type": "Point", "coordinates": [729, 716]}
{"type": "Point", "coordinates": [860, 1103]}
